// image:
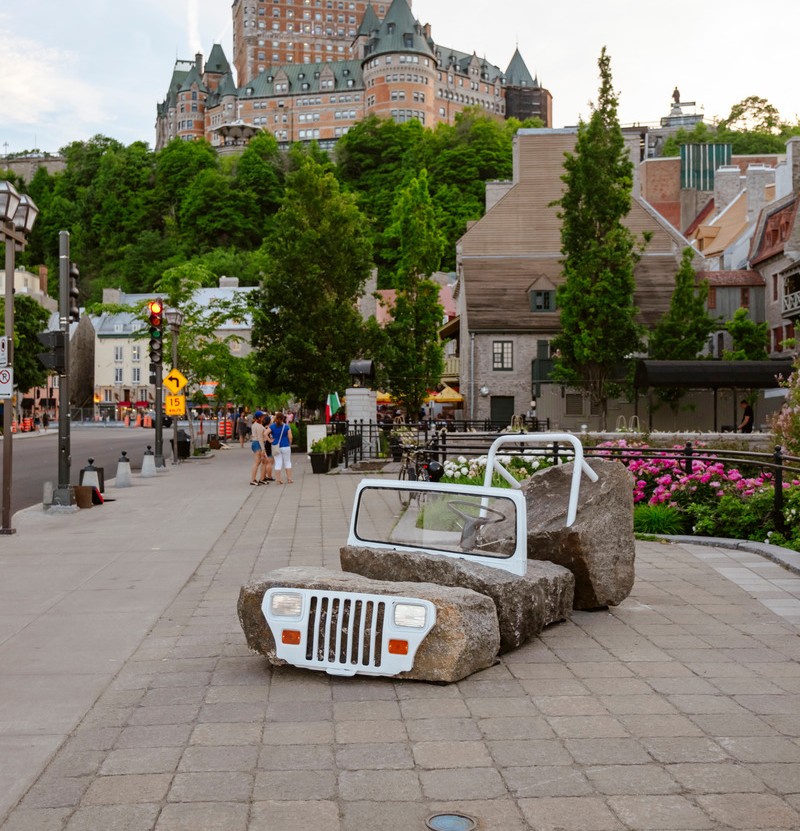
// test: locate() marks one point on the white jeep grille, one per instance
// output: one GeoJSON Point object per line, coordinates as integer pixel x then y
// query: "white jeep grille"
{"type": "Point", "coordinates": [343, 633]}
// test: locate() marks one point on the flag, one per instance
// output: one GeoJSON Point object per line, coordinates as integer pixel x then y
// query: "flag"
{"type": "Point", "coordinates": [332, 406]}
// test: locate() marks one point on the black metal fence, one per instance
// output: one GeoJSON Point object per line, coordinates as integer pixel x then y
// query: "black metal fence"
{"type": "Point", "coordinates": [364, 442]}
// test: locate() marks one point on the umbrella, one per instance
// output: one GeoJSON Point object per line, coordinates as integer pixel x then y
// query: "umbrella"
{"type": "Point", "coordinates": [447, 396]}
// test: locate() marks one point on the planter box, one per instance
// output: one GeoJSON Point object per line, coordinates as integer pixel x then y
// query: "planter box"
{"type": "Point", "coordinates": [320, 462]}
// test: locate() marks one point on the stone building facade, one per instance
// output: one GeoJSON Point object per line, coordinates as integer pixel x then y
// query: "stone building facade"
{"type": "Point", "coordinates": [308, 73]}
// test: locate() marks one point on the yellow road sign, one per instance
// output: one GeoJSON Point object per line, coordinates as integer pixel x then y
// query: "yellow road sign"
{"type": "Point", "coordinates": [175, 405]}
{"type": "Point", "coordinates": [175, 381]}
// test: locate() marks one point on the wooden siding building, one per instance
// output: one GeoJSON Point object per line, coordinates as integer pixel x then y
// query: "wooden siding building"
{"type": "Point", "coordinates": [509, 266]}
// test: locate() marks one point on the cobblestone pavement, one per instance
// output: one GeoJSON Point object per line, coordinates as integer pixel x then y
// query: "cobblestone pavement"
{"type": "Point", "coordinates": [679, 709]}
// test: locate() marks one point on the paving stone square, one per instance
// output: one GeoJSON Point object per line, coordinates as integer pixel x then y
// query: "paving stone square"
{"type": "Point", "coordinates": [678, 710]}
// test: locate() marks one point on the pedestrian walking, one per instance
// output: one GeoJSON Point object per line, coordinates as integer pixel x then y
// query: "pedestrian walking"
{"type": "Point", "coordinates": [242, 427]}
{"type": "Point", "coordinates": [282, 448]}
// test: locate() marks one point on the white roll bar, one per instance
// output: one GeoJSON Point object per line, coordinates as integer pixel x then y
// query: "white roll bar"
{"type": "Point", "coordinates": [581, 466]}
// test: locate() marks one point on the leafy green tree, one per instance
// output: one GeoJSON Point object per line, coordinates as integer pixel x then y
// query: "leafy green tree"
{"type": "Point", "coordinates": [684, 328]}
{"type": "Point", "coordinates": [599, 254]}
{"type": "Point", "coordinates": [213, 213]}
{"type": "Point", "coordinates": [413, 360]}
{"type": "Point", "coordinates": [177, 165]}
{"type": "Point", "coordinates": [259, 172]}
{"type": "Point", "coordinates": [752, 126]}
{"type": "Point", "coordinates": [306, 328]}
{"type": "Point", "coordinates": [749, 338]}
{"type": "Point", "coordinates": [29, 320]}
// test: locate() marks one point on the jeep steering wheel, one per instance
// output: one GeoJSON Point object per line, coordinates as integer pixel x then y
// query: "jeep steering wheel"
{"type": "Point", "coordinates": [470, 532]}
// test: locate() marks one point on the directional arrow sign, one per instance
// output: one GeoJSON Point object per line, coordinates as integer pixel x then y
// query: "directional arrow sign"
{"type": "Point", "coordinates": [175, 381]}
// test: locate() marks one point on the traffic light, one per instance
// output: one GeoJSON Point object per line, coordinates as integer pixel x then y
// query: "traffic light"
{"type": "Point", "coordinates": [74, 309]}
{"type": "Point", "coordinates": [53, 356]}
{"type": "Point", "coordinates": [155, 310]}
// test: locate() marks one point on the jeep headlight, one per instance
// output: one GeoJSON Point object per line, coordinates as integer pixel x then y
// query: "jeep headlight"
{"type": "Point", "coordinates": [411, 615]}
{"type": "Point", "coordinates": [286, 604]}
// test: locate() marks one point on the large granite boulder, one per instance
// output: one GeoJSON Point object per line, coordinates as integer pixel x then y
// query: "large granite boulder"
{"type": "Point", "coordinates": [464, 639]}
{"type": "Point", "coordinates": [525, 605]}
{"type": "Point", "coordinates": [599, 547]}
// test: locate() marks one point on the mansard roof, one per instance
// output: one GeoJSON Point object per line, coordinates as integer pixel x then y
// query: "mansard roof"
{"type": "Point", "coordinates": [399, 32]}
{"type": "Point", "coordinates": [369, 23]}
{"type": "Point", "coordinates": [517, 74]}
{"type": "Point", "coordinates": [192, 78]}
{"type": "Point", "coordinates": [217, 63]}
{"type": "Point", "coordinates": [296, 75]}
{"type": "Point", "coordinates": [773, 229]}
{"type": "Point", "coordinates": [179, 74]}
{"type": "Point", "coordinates": [226, 87]}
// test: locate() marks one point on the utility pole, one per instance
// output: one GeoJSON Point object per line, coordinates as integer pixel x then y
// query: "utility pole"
{"type": "Point", "coordinates": [63, 494]}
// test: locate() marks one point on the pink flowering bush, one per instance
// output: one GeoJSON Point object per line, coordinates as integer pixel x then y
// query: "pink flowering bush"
{"type": "Point", "coordinates": [714, 499]}
{"type": "Point", "coordinates": [786, 422]}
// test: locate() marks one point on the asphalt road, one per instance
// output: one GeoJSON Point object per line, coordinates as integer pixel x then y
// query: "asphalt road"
{"type": "Point", "coordinates": [35, 458]}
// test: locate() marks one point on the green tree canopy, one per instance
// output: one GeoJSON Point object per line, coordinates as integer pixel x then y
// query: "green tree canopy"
{"type": "Point", "coordinates": [306, 327]}
{"type": "Point", "coordinates": [412, 355]}
{"type": "Point", "coordinates": [749, 338]}
{"type": "Point", "coordinates": [29, 320]}
{"type": "Point", "coordinates": [684, 328]}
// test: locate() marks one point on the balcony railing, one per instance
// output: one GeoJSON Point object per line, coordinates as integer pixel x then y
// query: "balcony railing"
{"type": "Point", "coordinates": [451, 367]}
{"type": "Point", "coordinates": [791, 304]}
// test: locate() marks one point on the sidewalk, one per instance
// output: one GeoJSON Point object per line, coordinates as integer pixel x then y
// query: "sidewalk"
{"type": "Point", "coordinates": [128, 699]}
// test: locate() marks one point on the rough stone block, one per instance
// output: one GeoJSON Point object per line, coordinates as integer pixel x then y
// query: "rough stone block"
{"type": "Point", "coordinates": [525, 605]}
{"type": "Point", "coordinates": [599, 548]}
{"type": "Point", "coordinates": [464, 639]}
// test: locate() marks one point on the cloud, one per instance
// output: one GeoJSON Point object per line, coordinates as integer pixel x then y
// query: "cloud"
{"type": "Point", "coordinates": [194, 37]}
{"type": "Point", "coordinates": [44, 87]}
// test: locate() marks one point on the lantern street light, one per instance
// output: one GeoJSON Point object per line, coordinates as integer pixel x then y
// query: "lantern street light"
{"type": "Point", "coordinates": [175, 320]}
{"type": "Point", "coordinates": [17, 215]}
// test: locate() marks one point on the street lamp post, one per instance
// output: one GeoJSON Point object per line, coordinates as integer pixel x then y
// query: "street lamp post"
{"type": "Point", "coordinates": [175, 320]}
{"type": "Point", "coordinates": [17, 215]}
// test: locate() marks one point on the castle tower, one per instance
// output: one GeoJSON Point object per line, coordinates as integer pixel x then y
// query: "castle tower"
{"type": "Point", "coordinates": [399, 68]}
{"type": "Point", "coordinates": [294, 31]}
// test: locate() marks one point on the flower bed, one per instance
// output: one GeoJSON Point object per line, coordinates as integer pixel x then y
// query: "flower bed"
{"type": "Point", "coordinates": [716, 499]}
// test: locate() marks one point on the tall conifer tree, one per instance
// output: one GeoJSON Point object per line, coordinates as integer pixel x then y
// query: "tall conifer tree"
{"type": "Point", "coordinates": [599, 254]}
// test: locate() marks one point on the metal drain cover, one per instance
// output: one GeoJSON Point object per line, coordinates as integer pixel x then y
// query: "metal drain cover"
{"type": "Point", "coordinates": [450, 822]}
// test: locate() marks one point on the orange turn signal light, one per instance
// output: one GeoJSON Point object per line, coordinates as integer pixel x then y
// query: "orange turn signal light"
{"type": "Point", "coordinates": [290, 636]}
{"type": "Point", "coordinates": [398, 647]}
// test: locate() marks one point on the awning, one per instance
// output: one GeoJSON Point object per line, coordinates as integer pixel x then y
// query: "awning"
{"type": "Point", "coordinates": [447, 395]}
{"type": "Point", "coordinates": [711, 375]}
{"type": "Point", "coordinates": [124, 404]}
{"type": "Point", "coordinates": [142, 404]}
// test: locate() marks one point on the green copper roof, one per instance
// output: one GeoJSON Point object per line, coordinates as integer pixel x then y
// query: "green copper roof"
{"type": "Point", "coordinates": [217, 62]}
{"type": "Point", "coordinates": [369, 23]}
{"type": "Point", "coordinates": [517, 74]}
{"type": "Point", "coordinates": [399, 32]}
{"type": "Point", "coordinates": [304, 79]}
{"type": "Point", "coordinates": [193, 77]}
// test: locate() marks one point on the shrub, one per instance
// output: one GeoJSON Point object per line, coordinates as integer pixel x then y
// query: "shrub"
{"type": "Point", "coordinates": [658, 519]}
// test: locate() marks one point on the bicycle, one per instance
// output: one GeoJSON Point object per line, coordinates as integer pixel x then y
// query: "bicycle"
{"type": "Point", "coordinates": [414, 468]}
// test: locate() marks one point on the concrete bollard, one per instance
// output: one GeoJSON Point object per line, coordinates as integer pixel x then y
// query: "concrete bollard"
{"type": "Point", "coordinates": [123, 479]}
{"type": "Point", "coordinates": [148, 464]}
{"type": "Point", "coordinates": [90, 476]}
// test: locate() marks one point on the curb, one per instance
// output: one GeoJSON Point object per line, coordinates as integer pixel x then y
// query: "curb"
{"type": "Point", "coordinates": [786, 557]}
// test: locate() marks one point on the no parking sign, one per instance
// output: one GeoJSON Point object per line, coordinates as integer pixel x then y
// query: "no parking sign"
{"type": "Point", "coordinates": [6, 382]}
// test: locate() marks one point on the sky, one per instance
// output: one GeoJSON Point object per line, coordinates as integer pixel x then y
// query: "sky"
{"type": "Point", "coordinates": [72, 69]}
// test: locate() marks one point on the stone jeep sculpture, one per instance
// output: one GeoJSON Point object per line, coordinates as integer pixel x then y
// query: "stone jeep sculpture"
{"type": "Point", "coordinates": [439, 579]}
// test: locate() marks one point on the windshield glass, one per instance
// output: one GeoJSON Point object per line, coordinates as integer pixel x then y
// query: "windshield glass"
{"type": "Point", "coordinates": [461, 523]}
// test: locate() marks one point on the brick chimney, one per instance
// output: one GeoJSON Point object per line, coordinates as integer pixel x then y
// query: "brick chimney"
{"type": "Point", "coordinates": [728, 183]}
{"type": "Point", "coordinates": [757, 178]}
